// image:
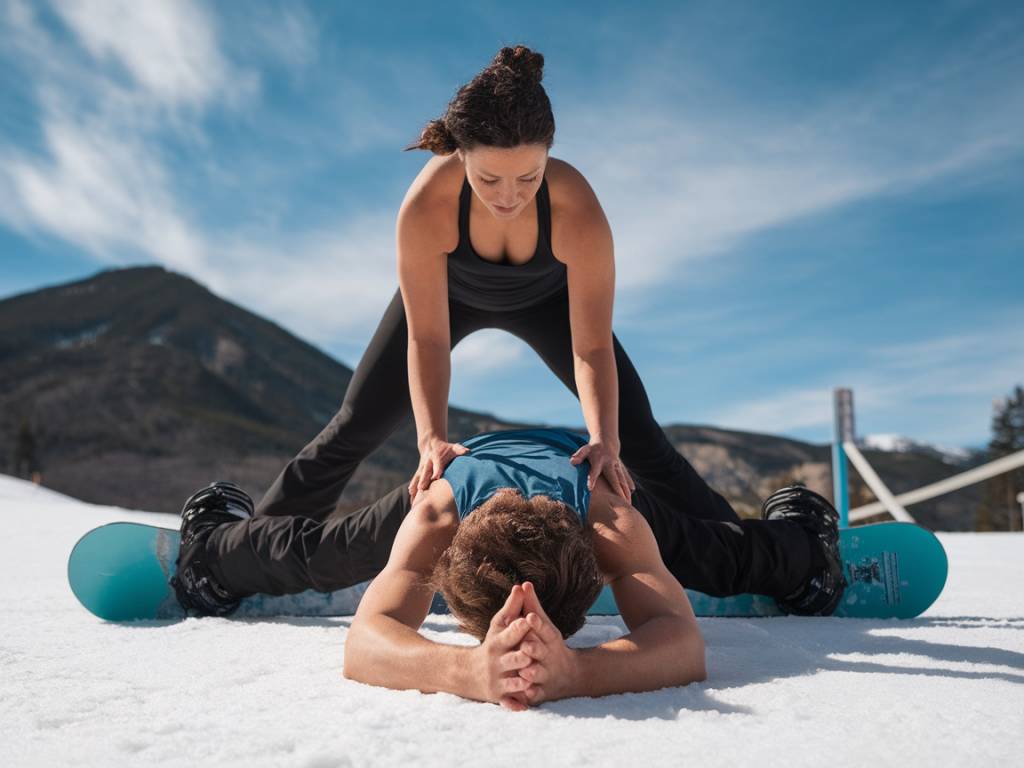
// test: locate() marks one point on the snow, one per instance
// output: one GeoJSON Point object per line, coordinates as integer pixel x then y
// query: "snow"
{"type": "Point", "coordinates": [894, 443]}
{"type": "Point", "coordinates": [945, 689]}
{"type": "Point", "coordinates": [82, 338]}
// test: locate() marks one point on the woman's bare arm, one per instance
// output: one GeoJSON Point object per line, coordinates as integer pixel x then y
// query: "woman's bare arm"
{"type": "Point", "coordinates": [583, 241]}
{"type": "Point", "coordinates": [585, 245]}
{"type": "Point", "coordinates": [423, 279]}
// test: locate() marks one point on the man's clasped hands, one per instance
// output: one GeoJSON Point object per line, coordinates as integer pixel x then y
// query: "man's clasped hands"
{"type": "Point", "coordinates": [523, 660]}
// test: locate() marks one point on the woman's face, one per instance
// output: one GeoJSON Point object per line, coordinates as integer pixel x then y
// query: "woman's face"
{"type": "Point", "coordinates": [505, 180]}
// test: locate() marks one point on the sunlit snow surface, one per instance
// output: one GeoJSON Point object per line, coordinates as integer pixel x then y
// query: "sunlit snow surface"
{"type": "Point", "coordinates": [946, 689]}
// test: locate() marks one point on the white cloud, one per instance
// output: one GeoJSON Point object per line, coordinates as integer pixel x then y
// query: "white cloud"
{"type": "Point", "coordinates": [785, 411]}
{"type": "Point", "coordinates": [488, 351]}
{"type": "Point", "coordinates": [321, 285]}
{"type": "Point", "coordinates": [287, 33]}
{"type": "Point", "coordinates": [684, 182]}
{"type": "Point", "coordinates": [100, 181]}
{"type": "Point", "coordinates": [168, 48]}
{"type": "Point", "coordinates": [948, 379]}
{"type": "Point", "coordinates": [72, 195]}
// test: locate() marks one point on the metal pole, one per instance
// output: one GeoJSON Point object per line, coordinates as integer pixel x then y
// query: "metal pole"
{"type": "Point", "coordinates": [1020, 500]}
{"type": "Point", "coordinates": [843, 432]}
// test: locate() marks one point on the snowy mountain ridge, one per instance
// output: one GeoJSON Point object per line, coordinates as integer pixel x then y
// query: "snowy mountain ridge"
{"type": "Point", "coordinates": [894, 443]}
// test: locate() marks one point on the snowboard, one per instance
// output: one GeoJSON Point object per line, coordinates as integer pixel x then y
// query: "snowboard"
{"type": "Point", "coordinates": [120, 572]}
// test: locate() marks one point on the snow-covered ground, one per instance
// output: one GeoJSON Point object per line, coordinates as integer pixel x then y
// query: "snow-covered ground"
{"type": "Point", "coordinates": [945, 689]}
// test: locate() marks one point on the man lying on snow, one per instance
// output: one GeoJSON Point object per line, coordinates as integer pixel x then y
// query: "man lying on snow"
{"type": "Point", "coordinates": [520, 548]}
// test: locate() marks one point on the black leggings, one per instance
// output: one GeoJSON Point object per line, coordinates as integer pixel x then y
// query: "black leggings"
{"type": "Point", "coordinates": [377, 401]}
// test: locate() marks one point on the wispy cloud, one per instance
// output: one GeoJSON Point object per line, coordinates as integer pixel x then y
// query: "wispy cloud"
{"type": "Point", "coordinates": [488, 351]}
{"type": "Point", "coordinates": [169, 49]}
{"type": "Point", "coordinates": [287, 33]}
{"type": "Point", "coordinates": [685, 180]}
{"type": "Point", "coordinates": [140, 75]}
{"type": "Point", "coordinates": [325, 285]}
{"type": "Point", "coordinates": [100, 181]}
{"type": "Point", "coordinates": [70, 195]}
{"type": "Point", "coordinates": [948, 379]}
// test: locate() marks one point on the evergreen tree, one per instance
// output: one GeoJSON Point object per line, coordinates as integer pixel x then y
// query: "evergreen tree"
{"type": "Point", "coordinates": [26, 463]}
{"type": "Point", "coordinates": [999, 509]}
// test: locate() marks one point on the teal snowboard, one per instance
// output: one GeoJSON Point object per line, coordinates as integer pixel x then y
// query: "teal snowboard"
{"type": "Point", "coordinates": [894, 571]}
{"type": "Point", "coordinates": [120, 572]}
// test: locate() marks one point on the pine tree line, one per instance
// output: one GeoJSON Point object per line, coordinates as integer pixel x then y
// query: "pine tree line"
{"type": "Point", "coordinates": [999, 509]}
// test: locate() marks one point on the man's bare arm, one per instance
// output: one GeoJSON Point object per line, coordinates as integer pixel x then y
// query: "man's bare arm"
{"type": "Point", "coordinates": [384, 648]}
{"type": "Point", "coordinates": [664, 646]}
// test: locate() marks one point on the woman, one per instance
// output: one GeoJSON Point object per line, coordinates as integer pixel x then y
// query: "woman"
{"type": "Point", "coordinates": [494, 233]}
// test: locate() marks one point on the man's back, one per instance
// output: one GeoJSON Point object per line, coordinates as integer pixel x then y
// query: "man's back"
{"type": "Point", "coordinates": [535, 462]}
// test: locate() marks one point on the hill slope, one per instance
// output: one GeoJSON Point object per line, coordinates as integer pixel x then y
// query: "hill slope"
{"type": "Point", "coordinates": [141, 385]}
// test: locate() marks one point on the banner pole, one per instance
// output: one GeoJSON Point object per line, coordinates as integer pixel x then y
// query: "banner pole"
{"type": "Point", "coordinates": [844, 432]}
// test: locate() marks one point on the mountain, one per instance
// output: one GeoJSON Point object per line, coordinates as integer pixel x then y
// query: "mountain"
{"type": "Point", "coordinates": [139, 385]}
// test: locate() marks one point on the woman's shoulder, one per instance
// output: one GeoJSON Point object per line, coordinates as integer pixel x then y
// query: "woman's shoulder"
{"type": "Point", "coordinates": [568, 188]}
{"type": "Point", "coordinates": [576, 213]}
{"type": "Point", "coordinates": [438, 182]}
{"type": "Point", "coordinates": [433, 198]}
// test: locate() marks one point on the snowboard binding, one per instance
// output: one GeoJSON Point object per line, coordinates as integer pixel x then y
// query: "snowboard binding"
{"type": "Point", "coordinates": [193, 583]}
{"type": "Point", "coordinates": [820, 595]}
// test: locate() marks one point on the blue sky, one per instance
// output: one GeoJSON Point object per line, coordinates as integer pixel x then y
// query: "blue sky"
{"type": "Point", "coordinates": [802, 195]}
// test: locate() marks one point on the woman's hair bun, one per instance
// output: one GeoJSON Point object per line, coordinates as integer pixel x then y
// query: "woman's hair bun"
{"type": "Point", "coordinates": [504, 105]}
{"type": "Point", "coordinates": [525, 63]}
{"type": "Point", "coordinates": [437, 138]}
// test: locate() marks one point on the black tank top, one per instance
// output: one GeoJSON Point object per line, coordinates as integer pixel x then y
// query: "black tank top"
{"type": "Point", "coordinates": [503, 286]}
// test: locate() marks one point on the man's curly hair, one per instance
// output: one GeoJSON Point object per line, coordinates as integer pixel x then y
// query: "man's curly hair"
{"type": "Point", "coordinates": [508, 540]}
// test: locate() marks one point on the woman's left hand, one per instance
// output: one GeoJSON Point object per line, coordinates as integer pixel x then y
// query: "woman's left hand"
{"type": "Point", "coordinates": [605, 461]}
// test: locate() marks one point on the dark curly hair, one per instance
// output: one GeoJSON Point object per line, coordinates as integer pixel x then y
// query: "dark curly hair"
{"type": "Point", "coordinates": [503, 106]}
{"type": "Point", "coordinates": [508, 540]}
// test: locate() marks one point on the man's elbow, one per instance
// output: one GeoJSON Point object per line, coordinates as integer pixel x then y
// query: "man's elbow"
{"type": "Point", "coordinates": [352, 666]}
{"type": "Point", "coordinates": [697, 670]}
{"type": "Point", "coordinates": [349, 668]}
{"type": "Point", "coordinates": [692, 663]}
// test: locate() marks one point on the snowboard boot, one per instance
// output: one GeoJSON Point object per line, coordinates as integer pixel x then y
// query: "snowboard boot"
{"type": "Point", "coordinates": [820, 595]}
{"type": "Point", "coordinates": [193, 583]}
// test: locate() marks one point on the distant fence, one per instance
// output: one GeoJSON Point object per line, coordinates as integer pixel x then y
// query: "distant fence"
{"type": "Point", "coordinates": [844, 447]}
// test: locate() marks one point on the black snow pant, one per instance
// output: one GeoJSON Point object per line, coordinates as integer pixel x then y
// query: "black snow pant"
{"type": "Point", "coordinates": [279, 555]}
{"type": "Point", "coordinates": [298, 541]}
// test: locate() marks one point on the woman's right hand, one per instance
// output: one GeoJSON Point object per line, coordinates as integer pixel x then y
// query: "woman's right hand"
{"type": "Point", "coordinates": [434, 457]}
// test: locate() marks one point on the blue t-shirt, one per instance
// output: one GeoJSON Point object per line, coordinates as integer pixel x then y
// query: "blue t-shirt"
{"type": "Point", "coordinates": [533, 461]}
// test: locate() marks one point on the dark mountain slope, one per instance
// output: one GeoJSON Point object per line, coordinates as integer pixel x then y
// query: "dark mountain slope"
{"type": "Point", "coordinates": [140, 385]}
